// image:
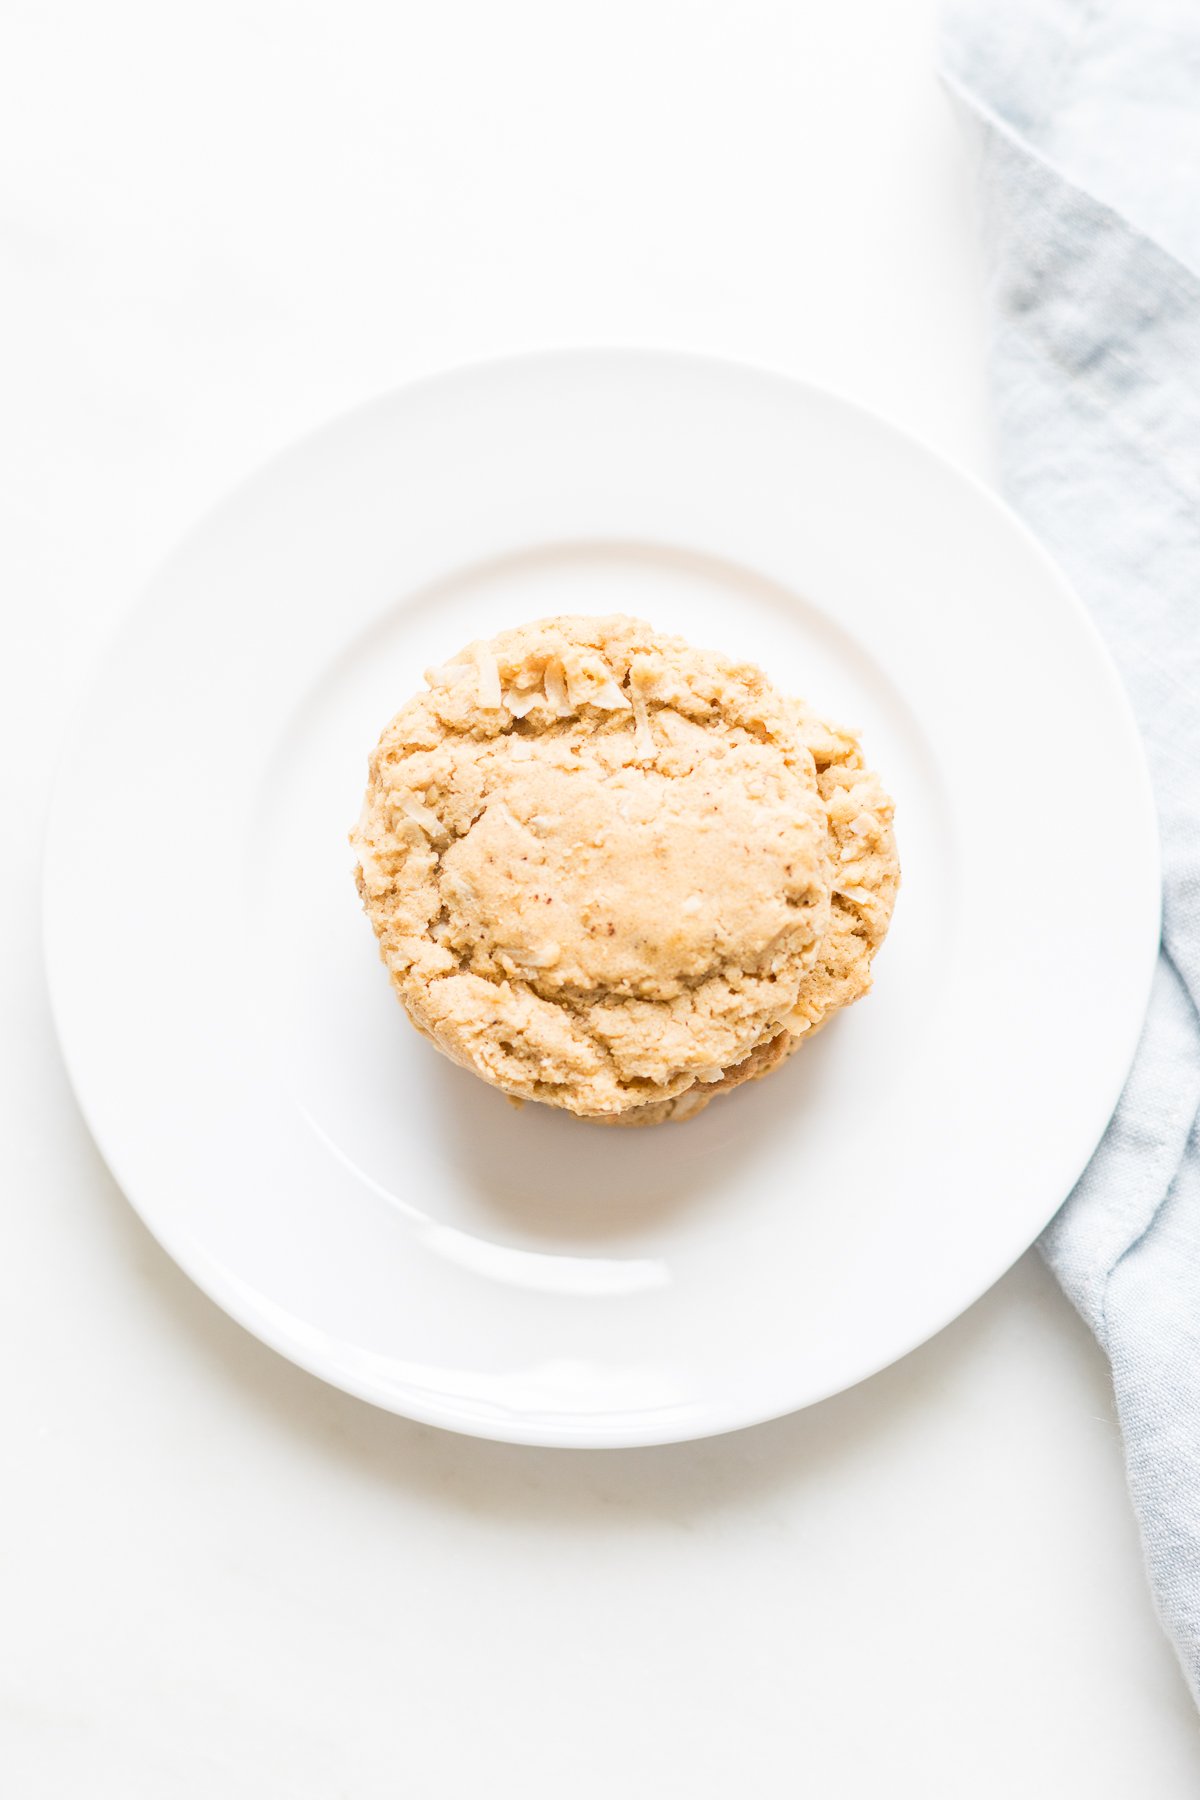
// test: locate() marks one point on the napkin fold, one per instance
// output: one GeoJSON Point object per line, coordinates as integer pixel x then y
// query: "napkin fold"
{"type": "Point", "coordinates": [1086, 118]}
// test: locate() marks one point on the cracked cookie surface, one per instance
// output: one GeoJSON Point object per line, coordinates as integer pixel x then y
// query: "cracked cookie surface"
{"type": "Point", "coordinates": [865, 878]}
{"type": "Point", "coordinates": [617, 873]}
{"type": "Point", "coordinates": [604, 867]}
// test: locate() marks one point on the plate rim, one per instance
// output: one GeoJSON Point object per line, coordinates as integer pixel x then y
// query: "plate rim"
{"type": "Point", "coordinates": [586, 1433]}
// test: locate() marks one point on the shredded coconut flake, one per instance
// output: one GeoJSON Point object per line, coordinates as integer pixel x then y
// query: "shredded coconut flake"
{"type": "Point", "coordinates": [521, 701]}
{"type": "Point", "coordinates": [544, 957]}
{"type": "Point", "coordinates": [688, 1103]}
{"type": "Point", "coordinates": [862, 825]}
{"type": "Point", "coordinates": [422, 815]}
{"type": "Point", "coordinates": [609, 697]}
{"type": "Point", "coordinates": [447, 674]}
{"type": "Point", "coordinates": [555, 678]}
{"type": "Point", "coordinates": [861, 896]}
{"type": "Point", "coordinates": [488, 671]}
{"type": "Point", "coordinates": [643, 737]}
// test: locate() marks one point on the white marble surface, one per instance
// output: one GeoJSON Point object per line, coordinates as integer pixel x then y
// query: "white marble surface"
{"type": "Point", "coordinates": [217, 1576]}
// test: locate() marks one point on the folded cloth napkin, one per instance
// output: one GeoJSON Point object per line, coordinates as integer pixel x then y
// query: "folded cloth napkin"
{"type": "Point", "coordinates": [1086, 114]}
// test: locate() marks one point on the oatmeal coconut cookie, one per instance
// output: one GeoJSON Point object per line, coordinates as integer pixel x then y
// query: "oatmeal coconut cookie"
{"type": "Point", "coordinates": [618, 874]}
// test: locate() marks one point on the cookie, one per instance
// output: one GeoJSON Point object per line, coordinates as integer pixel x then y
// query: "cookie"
{"type": "Point", "coordinates": [545, 852]}
{"type": "Point", "coordinates": [618, 874]}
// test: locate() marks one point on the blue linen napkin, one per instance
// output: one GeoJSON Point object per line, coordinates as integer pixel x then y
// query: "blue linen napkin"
{"type": "Point", "coordinates": [1086, 116]}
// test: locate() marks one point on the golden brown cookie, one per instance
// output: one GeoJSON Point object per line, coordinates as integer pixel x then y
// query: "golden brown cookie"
{"type": "Point", "coordinates": [605, 867]}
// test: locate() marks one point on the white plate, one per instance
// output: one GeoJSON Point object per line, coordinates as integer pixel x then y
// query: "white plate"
{"type": "Point", "coordinates": [379, 1215]}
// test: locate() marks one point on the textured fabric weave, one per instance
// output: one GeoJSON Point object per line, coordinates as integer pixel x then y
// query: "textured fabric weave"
{"type": "Point", "coordinates": [1086, 117]}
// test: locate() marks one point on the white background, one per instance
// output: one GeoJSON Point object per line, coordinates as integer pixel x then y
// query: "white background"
{"type": "Point", "coordinates": [217, 1577]}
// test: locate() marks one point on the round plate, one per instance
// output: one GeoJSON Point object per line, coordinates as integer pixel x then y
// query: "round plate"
{"type": "Point", "coordinates": [382, 1217]}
